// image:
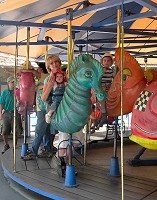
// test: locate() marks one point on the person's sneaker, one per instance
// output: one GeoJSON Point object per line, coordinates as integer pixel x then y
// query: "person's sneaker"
{"type": "Point", "coordinates": [45, 154]}
{"type": "Point", "coordinates": [48, 118]}
{"type": "Point", "coordinates": [6, 147]}
{"type": "Point", "coordinates": [60, 165]}
{"type": "Point", "coordinates": [29, 156]}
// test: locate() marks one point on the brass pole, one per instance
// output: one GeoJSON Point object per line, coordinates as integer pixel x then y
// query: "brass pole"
{"type": "Point", "coordinates": [122, 67]}
{"type": "Point", "coordinates": [14, 125]}
{"type": "Point", "coordinates": [145, 61]}
{"type": "Point", "coordinates": [72, 50]}
{"type": "Point", "coordinates": [69, 13]}
{"type": "Point", "coordinates": [27, 52]}
{"type": "Point", "coordinates": [46, 54]}
{"type": "Point", "coordinates": [118, 27]}
{"type": "Point", "coordinates": [122, 152]}
{"type": "Point", "coordinates": [86, 128]}
{"type": "Point", "coordinates": [69, 47]}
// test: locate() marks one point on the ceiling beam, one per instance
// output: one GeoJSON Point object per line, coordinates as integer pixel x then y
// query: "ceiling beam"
{"type": "Point", "coordinates": [76, 28]}
{"type": "Point", "coordinates": [126, 19]}
{"type": "Point", "coordinates": [148, 4]}
{"type": "Point", "coordinates": [89, 9]}
{"type": "Point", "coordinates": [79, 42]}
{"type": "Point", "coordinates": [84, 11]}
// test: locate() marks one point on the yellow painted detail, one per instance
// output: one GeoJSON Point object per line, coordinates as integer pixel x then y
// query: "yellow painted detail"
{"type": "Point", "coordinates": [147, 143]}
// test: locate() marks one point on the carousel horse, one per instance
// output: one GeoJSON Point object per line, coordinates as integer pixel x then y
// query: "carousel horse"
{"type": "Point", "coordinates": [133, 83]}
{"type": "Point", "coordinates": [75, 108]}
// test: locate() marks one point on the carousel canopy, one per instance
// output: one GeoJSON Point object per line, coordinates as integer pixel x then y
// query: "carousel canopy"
{"type": "Point", "coordinates": [94, 27]}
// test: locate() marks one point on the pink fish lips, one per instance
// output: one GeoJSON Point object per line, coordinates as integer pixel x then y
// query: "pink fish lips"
{"type": "Point", "coordinates": [144, 118]}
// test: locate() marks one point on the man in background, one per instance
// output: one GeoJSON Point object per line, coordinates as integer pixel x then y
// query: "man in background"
{"type": "Point", "coordinates": [7, 113]}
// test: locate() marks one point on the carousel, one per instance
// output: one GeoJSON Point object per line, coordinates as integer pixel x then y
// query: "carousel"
{"type": "Point", "coordinates": [116, 167]}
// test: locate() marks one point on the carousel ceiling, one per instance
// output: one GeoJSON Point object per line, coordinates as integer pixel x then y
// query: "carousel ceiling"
{"type": "Point", "coordinates": [94, 27]}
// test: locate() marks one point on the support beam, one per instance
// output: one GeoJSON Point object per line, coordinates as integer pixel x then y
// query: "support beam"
{"type": "Point", "coordinates": [76, 28]}
{"type": "Point", "coordinates": [148, 4]}
{"type": "Point", "coordinates": [130, 18]}
{"type": "Point", "coordinates": [87, 10]}
{"type": "Point", "coordinates": [84, 11]}
{"type": "Point", "coordinates": [81, 42]}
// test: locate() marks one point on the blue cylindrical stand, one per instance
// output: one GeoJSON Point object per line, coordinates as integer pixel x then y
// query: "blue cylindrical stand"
{"type": "Point", "coordinates": [24, 150]}
{"type": "Point", "coordinates": [70, 178]}
{"type": "Point", "coordinates": [114, 167]}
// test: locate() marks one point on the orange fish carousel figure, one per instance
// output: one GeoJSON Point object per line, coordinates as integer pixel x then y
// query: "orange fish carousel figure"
{"type": "Point", "coordinates": [133, 83]}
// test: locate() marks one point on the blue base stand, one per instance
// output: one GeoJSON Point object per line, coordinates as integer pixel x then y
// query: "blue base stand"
{"type": "Point", "coordinates": [70, 178]}
{"type": "Point", "coordinates": [24, 150]}
{"type": "Point", "coordinates": [114, 167]}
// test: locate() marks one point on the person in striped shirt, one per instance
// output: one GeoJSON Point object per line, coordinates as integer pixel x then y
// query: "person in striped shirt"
{"type": "Point", "coordinates": [109, 74]}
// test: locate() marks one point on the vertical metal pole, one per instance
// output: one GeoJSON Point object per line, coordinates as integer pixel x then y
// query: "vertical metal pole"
{"type": "Point", "coordinates": [46, 54]}
{"type": "Point", "coordinates": [85, 143]}
{"type": "Point", "coordinates": [87, 43]}
{"type": "Point", "coordinates": [70, 149]}
{"type": "Point", "coordinates": [122, 67]}
{"type": "Point", "coordinates": [145, 61]}
{"type": "Point", "coordinates": [26, 125]}
{"type": "Point", "coordinates": [14, 125]}
{"type": "Point", "coordinates": [69, 13]}
{"type": "Point", "coordinates": [118, 27]}
{"type": "Point", "coordinates": [118, 45]}
{"type": "Point", "coordinates": [27, 66]}
{"type": "Point", "coordinates": [115, 137]}
{"type": "Point", "coordinates": [28, 42]}
{"type": "Point", "coordinates": [69, 47]}
{"type": "Point", "coordinates": [28, 121]}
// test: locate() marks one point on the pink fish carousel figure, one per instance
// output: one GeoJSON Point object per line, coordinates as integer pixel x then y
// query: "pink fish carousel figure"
{"type": "Point", "coordinates": [144, 118]}
{"type": "Point", "coordinates": [26, 92]}
{"type": "Point", "coordinates": [26, 96]}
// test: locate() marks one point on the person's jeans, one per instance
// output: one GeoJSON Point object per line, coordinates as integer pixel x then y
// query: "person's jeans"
{"type": "Point", "coordinates": [41, 129]}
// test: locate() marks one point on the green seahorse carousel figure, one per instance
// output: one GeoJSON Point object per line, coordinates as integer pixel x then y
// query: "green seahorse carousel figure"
{"type": "Point", "coordinates": [75, 108]}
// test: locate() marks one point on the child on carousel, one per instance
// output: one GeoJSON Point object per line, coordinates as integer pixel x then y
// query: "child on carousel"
{"type": "Point", "coordinates": [57, 94]}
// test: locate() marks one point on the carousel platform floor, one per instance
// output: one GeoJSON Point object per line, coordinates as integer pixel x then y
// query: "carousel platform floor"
{"type": "Point", "coordinates": [93, 179]}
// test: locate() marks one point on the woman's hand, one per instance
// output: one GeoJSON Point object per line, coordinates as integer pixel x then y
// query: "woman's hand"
{"type": "Point", "coordinates": [50, 80]}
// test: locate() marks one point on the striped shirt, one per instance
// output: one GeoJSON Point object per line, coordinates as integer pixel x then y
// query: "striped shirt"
{"type": "Point", "coordinates": [107, 79]}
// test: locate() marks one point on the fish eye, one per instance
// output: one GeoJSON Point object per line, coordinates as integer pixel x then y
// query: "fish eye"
{"type": "Point", "coordinates": [88, 74]}
{"type": "Point", "coordinates": [126, 74]}
{"type": "Point", "coordinates": [125, 77]}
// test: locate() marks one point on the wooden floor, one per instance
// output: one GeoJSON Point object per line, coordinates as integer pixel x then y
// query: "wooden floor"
{"type": "Point", "coordinates": [93, 180]}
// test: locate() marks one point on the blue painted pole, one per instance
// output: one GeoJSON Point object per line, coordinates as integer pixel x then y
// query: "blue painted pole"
{"type": "Point", "coordinates": [70, 177]}
{"type": "Point", "coordinates": [114, 164]}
